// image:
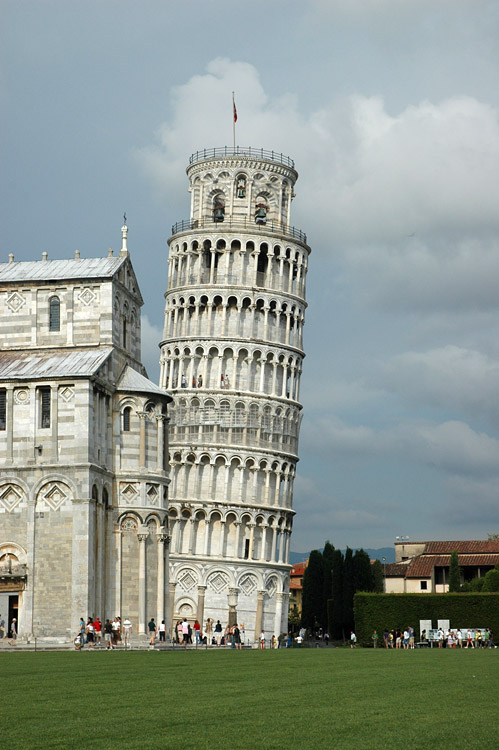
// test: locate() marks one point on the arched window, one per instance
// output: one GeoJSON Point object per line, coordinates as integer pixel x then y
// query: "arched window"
{"type": "Point", "coordinates": [126, 418]}
{"type": "Point", "coordinates": [218, 208]}
{"type": "Point", "coordinates": [55, 314]}
{"type": "Point", "coordinates": [241, 186]}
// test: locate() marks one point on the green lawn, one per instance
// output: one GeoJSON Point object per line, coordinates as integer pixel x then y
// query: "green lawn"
{"type": "Point", "coordinates": [301, 699]}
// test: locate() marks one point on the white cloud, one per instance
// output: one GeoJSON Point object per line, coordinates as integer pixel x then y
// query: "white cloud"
{"type": "Point", "coordinates": [449, 377]}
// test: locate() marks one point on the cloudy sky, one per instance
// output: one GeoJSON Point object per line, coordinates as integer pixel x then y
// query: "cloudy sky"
{"type": "Point", "coordinates": [390, 110]}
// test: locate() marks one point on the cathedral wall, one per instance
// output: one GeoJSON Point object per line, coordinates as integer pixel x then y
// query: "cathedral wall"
{"type": "Point", "coordinates": [52, 575]}
{"type": "Point", "coordinates": [129, 576]}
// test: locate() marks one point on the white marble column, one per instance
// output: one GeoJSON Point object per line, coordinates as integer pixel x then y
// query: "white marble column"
{"type": "Point", "coordinates": [141, 537]}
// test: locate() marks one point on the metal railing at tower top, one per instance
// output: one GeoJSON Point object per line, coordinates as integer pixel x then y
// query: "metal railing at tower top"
{"type": "Point", "coordinates": [207, 222]}
{"type": "Point", "coordinates": [246, 151]}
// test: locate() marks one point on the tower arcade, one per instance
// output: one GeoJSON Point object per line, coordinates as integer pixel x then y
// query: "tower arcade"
{"type": "Point", "coordinates": [231, 357]}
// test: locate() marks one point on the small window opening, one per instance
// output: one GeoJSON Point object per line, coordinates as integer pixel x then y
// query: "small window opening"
{"type": "Point", "coordinates": [126, 418]}
{"type": "Point", "coordinates": [55, 314]}
{"type": "Point", "coordinates": [3, 410]}
{"type": "Point", "coordinates": [45, 407]}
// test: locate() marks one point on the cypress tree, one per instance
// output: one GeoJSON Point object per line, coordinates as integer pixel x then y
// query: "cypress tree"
{"type": "Point", "coordinates": [454, 572]}
{"type": "Point", "coordinates": [379, 580]}
{"type": "Point", "coordinates": [336, 608]}
{"type": "Point", "coordinates": [327, 590]}
{"type": "Point", "coordinates": [348, 592]}
{"type": "Point", "coordinates": [313, 579]}
{"type": "Point", "coordinates": [363, 579]}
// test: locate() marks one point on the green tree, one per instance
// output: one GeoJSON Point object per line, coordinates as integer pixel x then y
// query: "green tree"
{"type": "Point", "coordinates": [336, 608]}
{"type": "Point", "coordinates": [379, 579]}
{"type": "Point", "coordinates": [363, 579]}
{"type": "Point", "coordinates": [313, 579]}
{"type": "Point", "coordinates": [348, 592]}
{"type": "Point", "coordinates": [327, 588]}
{"type": "Point", "coordinates": [454, 573]}
{"type": "Point", "coordinates": [491, 580]}
{"type": "Point", "coordinates": [294, 620]}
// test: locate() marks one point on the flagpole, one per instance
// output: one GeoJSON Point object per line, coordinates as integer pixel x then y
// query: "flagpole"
{"type": "Point", "coordinates": [234, 116]}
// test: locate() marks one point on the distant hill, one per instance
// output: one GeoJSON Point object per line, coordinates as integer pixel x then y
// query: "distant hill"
{"type": "Point", "coordinates": [374, 554]}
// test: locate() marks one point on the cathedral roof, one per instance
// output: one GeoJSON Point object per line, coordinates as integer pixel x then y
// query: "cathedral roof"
{"type": "Point", "coordinates": [51, 364]}
{"type": "Point", "coordinates": [133, 381]}
{"type": "Point", "coordinates": [48, 270]}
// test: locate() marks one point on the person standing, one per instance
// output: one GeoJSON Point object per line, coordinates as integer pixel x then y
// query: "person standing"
{"type": "Point", "coordinates": [108, 635]}
{"type": "Point", "coordinates": [152, 632]}
{"type": "Point", "coordinates": [236, 634]}
{"type": "Point", "coordinates": [13, 632]}
{"type": "Point", "coordinates": [374, 639]}
{"type": "Point", "coordinates": [197, 632]}
{"type": "Point", "coordinates": [262, 639]}
{"type": "Point", "coordinates": [90, 632]}
{"type": "Point", "coordinates": [2, 628]}
{"type": "Point", "coordinates": [162, 632]}
{"type": "Point", "coordinates": [127, 631]}
{"type": "Point", "coordinates": [411, 636]}
{"type": "Point", "coordinates": [185, 632]}
{"type": "Point", "coordinates": [98, 631]}
{"type": "Point", "coordinates": [218, 632]}
{"type": "Point", "coordinates": [353, 639]}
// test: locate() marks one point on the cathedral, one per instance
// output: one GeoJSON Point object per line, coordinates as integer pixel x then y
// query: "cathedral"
{"type": "Point", "coordinates": [122, 497]}
{"type": "Point", "coordinates": [83, 446]}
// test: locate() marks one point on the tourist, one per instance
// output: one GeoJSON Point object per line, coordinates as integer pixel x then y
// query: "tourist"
{"type": "Point", "coordinates": [241, 629]}
{"type": "Point", "coordinates": [152, 632]}
{"type": "Point", "coordinates": [374, 639]}
{"type": "Point", "coordinates": [185, 632]}
{"type": "Point", "coordinates": [440, 637]}
{"type": "Point", "coordinates": [13, 632]}
{"type": "Point", "coordinates": [469, 639]}
{"type": "Point", "coordinates": [2, 627]}
{"type": "Point", "coordinates": [82, 632]}
{"type": "Point", "coordinates": [262, 639]}
{"type": "Point", "coordinates": [127, 631]}
{"type": "Point", "coordinates": [299, 639]}
{"type": "Point", "coordinates": [386, 637]}
{"type": "Point", "coordinates": [162, 632]}
{"type": "Point", "coordinates": [77, 642]}
{"type": "Point", "coordinates": [98, 631]}
{"type": "Point", "coordinates": [90, 631]}
{"type": "Point", "coordinates": [108, 635]}
{"type": "Point", "coordinates": [390, 639]}
{"type": "Point", "coordinates": [326, 638]}
{"type": "Point", "coordinates": [197, 632]}
{"type": "Point", "coordinates": [208, 631]}
{"type": "Point", "coordinates": [116, 625]}
{"type": "Point", "coordinates": [459, 636]}
{"type": "Point", "coordinates": [478, 638]}
{"type": "Point", "coordinates": [411, 636]}
{"type": "Point", "coordinates": [218, 632]}
{"type": "Point", "coordinates": [353, 639]}
{"type": "Point", "coordinates": [236, 636]}
{"type": "Point", "coordinates": [398, 638]}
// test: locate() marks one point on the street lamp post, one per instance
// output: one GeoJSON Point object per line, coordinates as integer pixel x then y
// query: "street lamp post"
{"type": "Point", "coordinates": [384, 574]}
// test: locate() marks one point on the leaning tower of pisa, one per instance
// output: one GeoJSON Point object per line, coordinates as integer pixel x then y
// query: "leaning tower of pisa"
{"type": "Point", "coordinates": [231, 357]}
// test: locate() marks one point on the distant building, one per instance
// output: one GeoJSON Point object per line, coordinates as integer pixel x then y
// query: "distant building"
{"type": "Point", "coordinates": [83, 449]}
{"type": "Point", "coordinates": [423, 567]}
{"type": "Point", "coordinates": [296, 585]}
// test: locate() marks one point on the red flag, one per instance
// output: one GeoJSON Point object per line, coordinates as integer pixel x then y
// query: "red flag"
{"type": "Point", "coordinates": [235, 110]}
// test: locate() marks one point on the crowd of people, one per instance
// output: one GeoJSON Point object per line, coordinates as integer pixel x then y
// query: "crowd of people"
{"type": "Point", "coordinates": [455, 638]}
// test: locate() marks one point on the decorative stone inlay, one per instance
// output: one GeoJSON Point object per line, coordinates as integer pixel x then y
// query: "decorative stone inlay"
{"type": "Point", "coordinates": [129, 524]}
{"type": "Point", "coordinates": [248, 584]}
{"type": "Point", "coordinates": [128, 492]}
{"type": "Point", "coordinates": [271, 586]}
{"type": "Point", "coordinates": [87, 296]}
{"type": "Point", "coordinates": [152, 493]}
{"type": "Point", "coordinates": [10, 497]}
{"type": "Point", "coordinates": [15, 301]}
{"type": "Point", "coordinates": [218, 581]}
{"type": "Point", "coordinates": [54, 495]}
{"type": "Point", "coordinates": [187, 580]}
{"type": "Point", "coordinates": [21, 396]}
{"type": "Point", "coordinates": [66, 393]}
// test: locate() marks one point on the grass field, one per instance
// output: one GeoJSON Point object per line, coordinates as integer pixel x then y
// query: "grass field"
{"type": "Point", "coordinates": [310, 698]}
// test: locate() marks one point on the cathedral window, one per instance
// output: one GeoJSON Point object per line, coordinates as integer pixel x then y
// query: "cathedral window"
{"type": "Point", "coordinates": [126, 418]}
{"type": "Point", "coordinates": [54, 314]}
{"type": "Point", "coordinates": [3, 409]}
{"type": "Point", "coordinates": [124, 332]}
{"type": "Point", "coordinates": [44, 406]}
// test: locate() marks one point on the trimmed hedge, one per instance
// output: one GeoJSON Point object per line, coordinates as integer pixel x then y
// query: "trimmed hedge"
{"type": "Point", "coordinates": [388, 611]}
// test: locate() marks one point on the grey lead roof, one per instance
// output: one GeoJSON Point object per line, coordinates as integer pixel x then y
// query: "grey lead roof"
{"type": "Point", "coordinates": [133, 381]}
{"type": "Point", "coordinates": [48, 270]}
{"type": "Point", "coordinates": [51, 364]}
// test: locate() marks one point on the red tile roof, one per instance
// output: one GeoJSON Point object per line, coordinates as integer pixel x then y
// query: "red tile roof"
{"type": "Point", "coordinates": [295, 586]}
{"type": "Point", "coordinates": [422, 566]}
{"type": "Point", "coordinates": [463, 548]}
{"type": "Point", "coordinates": [395, 569]}
{"type": "Point", "coordinates": [298, 569]}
